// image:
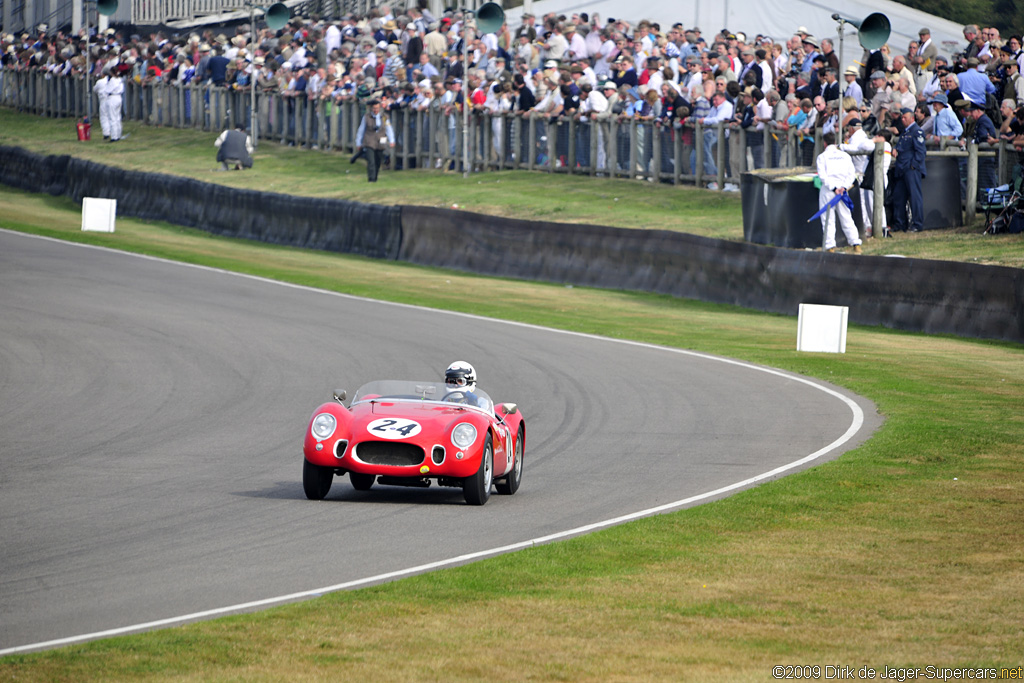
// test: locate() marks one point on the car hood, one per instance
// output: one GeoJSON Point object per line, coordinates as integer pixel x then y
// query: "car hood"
{"type": "Point", "coordinates": [434, 419]}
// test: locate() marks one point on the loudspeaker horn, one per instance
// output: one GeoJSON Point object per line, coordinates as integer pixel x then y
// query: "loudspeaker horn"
{"type": "Point", "coordinates": [489, 18]}
{"type": "Point", "coordinates": [872, 31]}
{"type": "Point", "coordinates": [277, 15]}
{"type": "Point", "coordinates": [106, 7]}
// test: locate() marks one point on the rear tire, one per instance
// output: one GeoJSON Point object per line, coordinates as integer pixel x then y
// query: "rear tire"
{"type": "Point", "coordinates": [510, 484]}
{"type": "Point", "coordinates": [477, 488]}
{"type": "Point", "coordinates": [361, 482]}
{"type": "Point", "coordinates": [316, 480]}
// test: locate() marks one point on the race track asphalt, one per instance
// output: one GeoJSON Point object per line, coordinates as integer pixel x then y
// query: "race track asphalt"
{"type": "Point", "coordinates": [152, 421]}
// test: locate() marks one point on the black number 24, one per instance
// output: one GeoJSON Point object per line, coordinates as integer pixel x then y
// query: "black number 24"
{"type": "Point", "coordinates": [386, 424]}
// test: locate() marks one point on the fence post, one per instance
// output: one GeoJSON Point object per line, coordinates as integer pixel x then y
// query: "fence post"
{"type": "Point", "coordinates": [878, 222]}
{"type": "Point", "coordinates": [720, 153]}
{"type": "Point", "coordinates": [698, 149]}
{"type": "Point", "coordinates": [971, 201]}
{"type": "Point", "coordinates": [632, 148]}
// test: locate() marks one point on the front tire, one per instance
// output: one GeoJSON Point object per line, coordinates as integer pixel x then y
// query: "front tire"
{"type": "Point", "coordinates": [316, 480]}
{"type": "Point", "coordinates": [477, 488]}
{"type": "Point", "coordinates": [361, 482]}
{"type": "Point", "coordinates": [510, 484]}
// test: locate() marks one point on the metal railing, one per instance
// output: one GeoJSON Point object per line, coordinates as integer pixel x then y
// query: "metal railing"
{"type": "Point", "coordinates": [606, 147]}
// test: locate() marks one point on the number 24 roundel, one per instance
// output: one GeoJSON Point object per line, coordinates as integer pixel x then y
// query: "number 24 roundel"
{"type": "Point", "coordinates": [390, 428]}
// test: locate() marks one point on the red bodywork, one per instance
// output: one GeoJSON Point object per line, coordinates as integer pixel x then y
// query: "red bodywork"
{"type": "Point", "coordinates": [415, 455]}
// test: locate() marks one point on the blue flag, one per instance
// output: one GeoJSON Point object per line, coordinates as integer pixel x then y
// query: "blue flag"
{"type": "Point", "coordinates": [844, 197]}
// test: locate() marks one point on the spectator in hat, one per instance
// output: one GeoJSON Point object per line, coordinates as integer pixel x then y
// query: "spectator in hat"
{"type": "Point", "coordinates": [909, 170]}
{"type": "Point", "coordinates": [374, 135]}
{"type": "Point", "coordinates": [694, 75]}
{"type": "Point", "coordinates": [577, 43]}
{"type": "Point", "coordinates": [979, 129]}
{"type": "Point", "coordinates": [527, 28]}
{"type": "Point", "coordinates": [923, 59]}
{"type": "Point", "coordinates": [853, 88]}
{"type": "Point", "coordinates": [722, 111]}
{"type": "Point", "coordinates": [1014, 84]}
{"type": "Point", "coordinates": [217, 67]}
{"type": "Point", "coordinates": [946, 125]}
{"type": "Point", "coordinates": [203, 65]}
{"type": "Point", "coordinates": [651, 76]}
{"type": "Point", "coordinates": [883, 93]}
{"type": "Point", "coordinates": [234, 148]}
{"type": "Point", "coordinates": [603, 118]}
{"type": "Point", "coordinates": [810, 47]}
{"type": "Point", "coordinates": [413, 47]}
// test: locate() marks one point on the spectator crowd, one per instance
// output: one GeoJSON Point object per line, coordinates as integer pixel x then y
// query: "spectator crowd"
{"type": "Point", "coordinates": [583, 67]}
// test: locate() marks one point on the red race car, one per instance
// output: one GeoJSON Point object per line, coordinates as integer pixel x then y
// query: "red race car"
{"type": "Point", "coordinates": [403, 433]}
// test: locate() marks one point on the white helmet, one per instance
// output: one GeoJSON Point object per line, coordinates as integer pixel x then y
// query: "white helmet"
{"type": "Point", "coordinates": [460, 376]}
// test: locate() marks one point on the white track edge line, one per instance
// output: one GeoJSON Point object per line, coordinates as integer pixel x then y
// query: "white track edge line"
{"type": "Point", "coordinates": [855, 426]}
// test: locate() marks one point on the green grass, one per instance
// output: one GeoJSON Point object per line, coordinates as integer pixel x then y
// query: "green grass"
{"type": "Point", "coordinates": [908, 551]}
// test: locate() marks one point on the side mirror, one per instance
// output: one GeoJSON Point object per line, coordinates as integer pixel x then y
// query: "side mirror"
{"type": "Point", "coordinates": [508, 408]}
{"type": "Point", "coordinates": [340, 395]}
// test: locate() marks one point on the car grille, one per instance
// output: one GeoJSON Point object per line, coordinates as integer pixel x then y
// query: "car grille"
{"type": "Point", "coordinates": [389, 453]}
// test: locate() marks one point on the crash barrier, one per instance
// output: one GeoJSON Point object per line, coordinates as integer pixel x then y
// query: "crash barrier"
{"type": "Point", "coordinates": [608, 147]}
{"type": "Point", "coordinates": [777, 204]}
{"type": "Point", "coordinates": [325, 224]}
{"type": "Point", "coordinates": [909, 294]}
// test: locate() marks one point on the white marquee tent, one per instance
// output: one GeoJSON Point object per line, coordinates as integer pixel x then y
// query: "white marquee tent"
{"type": "Point", "coordinates": [776, 18]}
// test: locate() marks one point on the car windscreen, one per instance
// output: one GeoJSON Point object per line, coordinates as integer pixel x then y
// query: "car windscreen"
{"type": "Point", "coordinates": [404, 390]}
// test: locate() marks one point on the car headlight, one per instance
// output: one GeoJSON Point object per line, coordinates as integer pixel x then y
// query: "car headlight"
{"type": "Point", "coordinates": [464, 435]}
{"type": "Point", "coordinates": [324, 425]}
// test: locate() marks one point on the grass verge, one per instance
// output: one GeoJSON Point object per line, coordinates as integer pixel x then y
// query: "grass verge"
{"type": "Point", "coordinates": [521, 194]}
{"type": "Point", "coordinates": [908, 551]}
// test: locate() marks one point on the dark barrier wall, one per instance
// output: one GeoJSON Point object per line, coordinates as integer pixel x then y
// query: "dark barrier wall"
{"type": "Point", "coordinates": [908, 294]}
{"type": "Point", "coordinates": [33, 172]}
{"type": "Point", "coordinates": [326, 224]}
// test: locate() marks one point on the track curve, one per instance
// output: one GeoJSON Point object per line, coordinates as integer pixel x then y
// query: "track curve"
{"type": "Point", "coordinates": [150, 441]}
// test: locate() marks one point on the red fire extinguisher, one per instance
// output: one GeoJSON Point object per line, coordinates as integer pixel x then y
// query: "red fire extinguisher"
{"type": "Point", "coordinates": [84, 130]}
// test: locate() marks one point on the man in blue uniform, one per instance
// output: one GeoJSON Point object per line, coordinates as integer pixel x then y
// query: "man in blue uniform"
{"type": "Point", "coordinates": [980, 130]}
{"type": "Point", "coordinates": [909, 169]}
